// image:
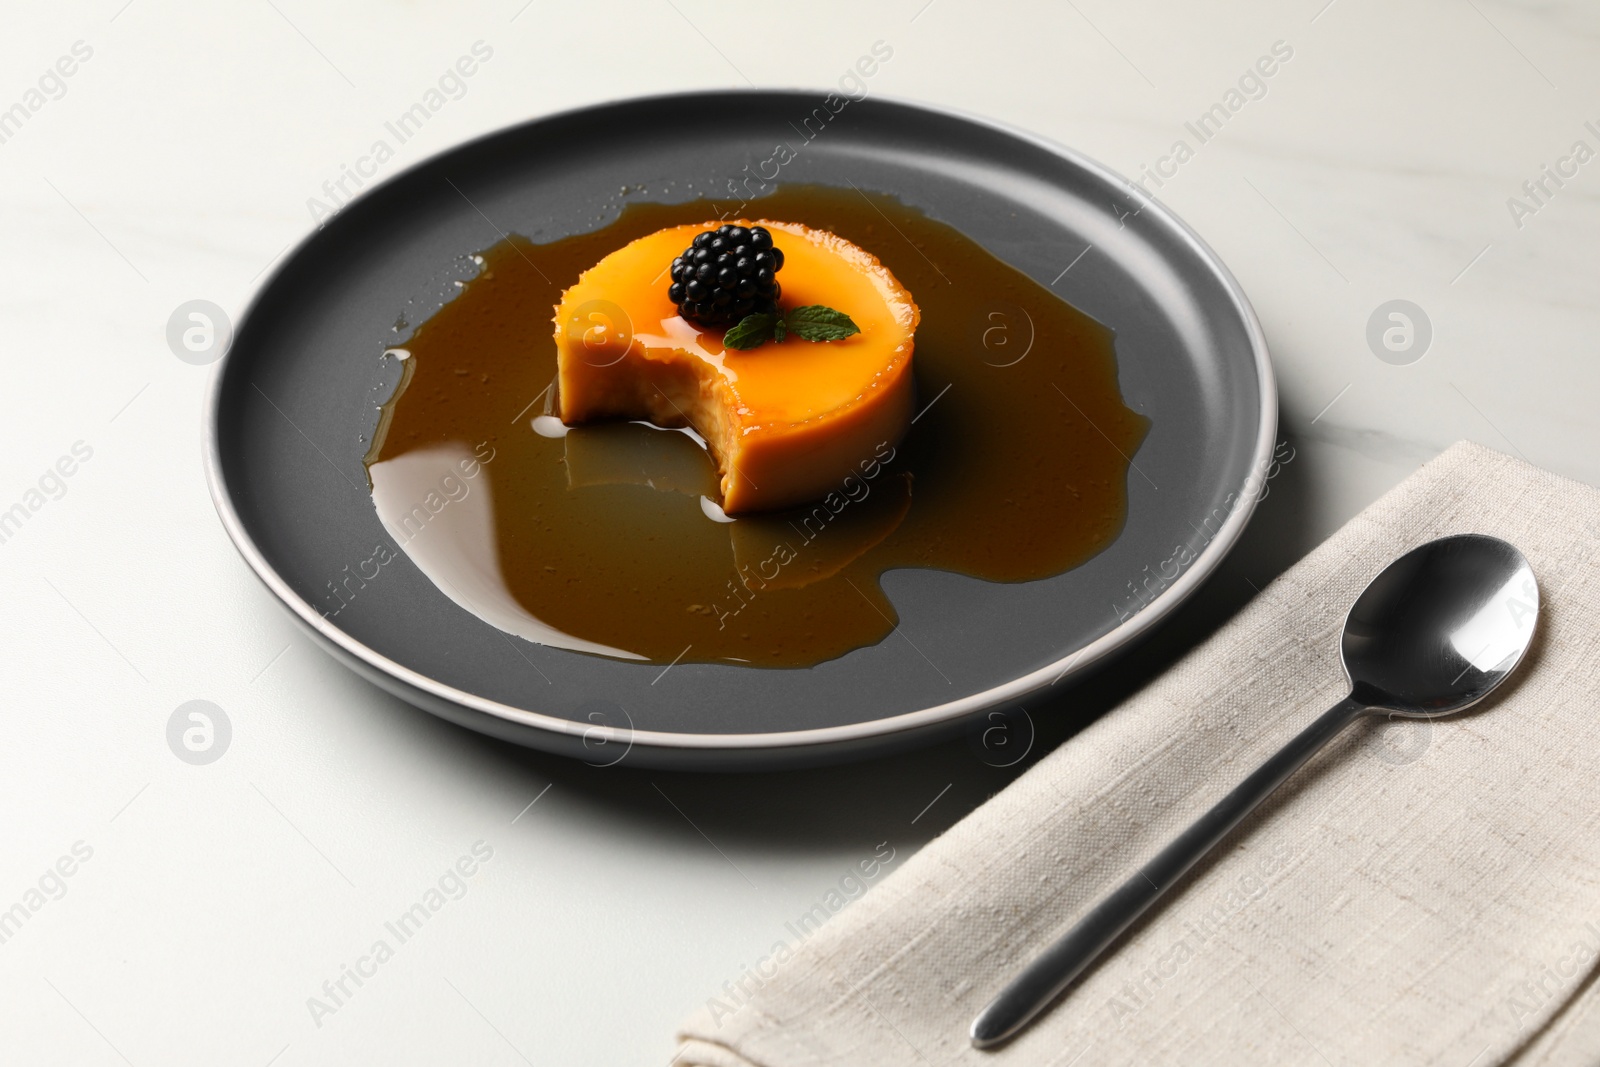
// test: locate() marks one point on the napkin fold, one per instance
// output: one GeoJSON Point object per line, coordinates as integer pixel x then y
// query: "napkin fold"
{"type": "Point", "coordinates": [1421, 892]}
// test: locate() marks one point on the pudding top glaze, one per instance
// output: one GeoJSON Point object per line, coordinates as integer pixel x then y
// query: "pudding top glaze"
{"type": "Point", "coordinates": [608, 539]}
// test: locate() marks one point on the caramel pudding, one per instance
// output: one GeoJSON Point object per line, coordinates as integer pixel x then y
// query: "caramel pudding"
{"type": "Point", "coordinates": [787, 421]}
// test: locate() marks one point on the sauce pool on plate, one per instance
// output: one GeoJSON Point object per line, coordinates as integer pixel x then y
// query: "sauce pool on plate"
{"type": "Point", "coordinates": [608, 538]}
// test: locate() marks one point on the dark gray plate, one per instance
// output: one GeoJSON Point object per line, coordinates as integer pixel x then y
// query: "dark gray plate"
{"type": "Point", "coordinates": [301, 380]}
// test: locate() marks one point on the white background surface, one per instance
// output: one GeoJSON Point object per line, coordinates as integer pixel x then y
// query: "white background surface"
{"type": "Point", "coordinates": [178, 165]}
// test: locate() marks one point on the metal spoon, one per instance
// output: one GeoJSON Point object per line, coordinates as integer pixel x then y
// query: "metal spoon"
{"type": "Point", "coordinates": [1435, 633]}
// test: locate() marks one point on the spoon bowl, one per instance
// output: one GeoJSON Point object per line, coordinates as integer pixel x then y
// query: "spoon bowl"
{"type": "Point", "coordinates": [1440, 627]}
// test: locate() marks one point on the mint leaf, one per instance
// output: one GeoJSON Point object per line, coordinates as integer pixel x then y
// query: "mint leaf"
{"type": "Point", "coordinates": [752, 330]}
{"type": "Point", "coordinates": [814, 322]}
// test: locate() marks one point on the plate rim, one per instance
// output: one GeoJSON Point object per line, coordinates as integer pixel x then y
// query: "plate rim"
{"type": "Point", "coordinates": [1206, 561]}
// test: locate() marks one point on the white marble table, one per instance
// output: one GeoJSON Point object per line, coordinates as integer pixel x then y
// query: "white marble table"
{"type": "Point", "coordinates": [207, 905]}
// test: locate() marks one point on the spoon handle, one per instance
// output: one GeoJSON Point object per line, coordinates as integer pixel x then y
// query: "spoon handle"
{"type": "Point", "coordinates": [1044, 979]}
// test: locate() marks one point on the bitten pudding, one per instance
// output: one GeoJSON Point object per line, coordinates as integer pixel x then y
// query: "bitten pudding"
{"type": "Point", "coordinates": [787, 349]}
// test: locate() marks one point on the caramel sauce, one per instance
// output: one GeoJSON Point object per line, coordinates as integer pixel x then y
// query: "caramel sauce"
{"type": "Point", "coordinates": [607, 538]}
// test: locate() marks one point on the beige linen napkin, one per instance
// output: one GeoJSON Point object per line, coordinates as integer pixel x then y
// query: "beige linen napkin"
{"type": "Point", "coordinates": [1419, 893]}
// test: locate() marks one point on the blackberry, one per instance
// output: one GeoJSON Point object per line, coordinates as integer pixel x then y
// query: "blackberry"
{"type": "Point", "coordinates": [726, 274]}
